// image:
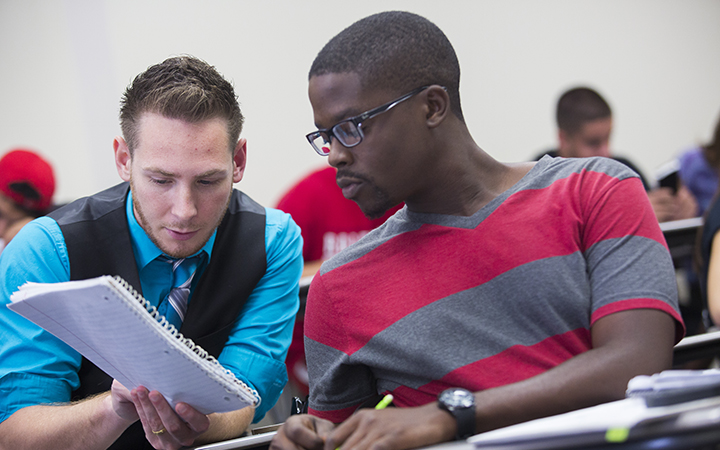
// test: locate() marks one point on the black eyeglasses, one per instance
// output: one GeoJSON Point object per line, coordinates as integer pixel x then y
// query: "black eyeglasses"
{"type": "Point", "coordinates": [349, 131]}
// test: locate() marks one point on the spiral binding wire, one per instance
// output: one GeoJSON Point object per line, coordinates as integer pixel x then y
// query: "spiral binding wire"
{"type": "Point", "coordinates": [201, 352]}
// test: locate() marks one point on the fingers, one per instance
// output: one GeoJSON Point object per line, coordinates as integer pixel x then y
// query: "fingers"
{"type": "Point", "coordinates": [164, 428]}
{"type": "Point", "coordinates": [152, 424]}
{"type": "Point", "coordinates": [301, 432]}
{"type": "Point", "coordinates": [194, 419]}
{"type": "Point", "coordinates": [392, 428]}
{"type": "Point", "coordinates": [353, 433]}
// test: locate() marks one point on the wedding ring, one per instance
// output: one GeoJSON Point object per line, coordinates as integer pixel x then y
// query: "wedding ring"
{"type": "Point", "coordinates": [158, 432]}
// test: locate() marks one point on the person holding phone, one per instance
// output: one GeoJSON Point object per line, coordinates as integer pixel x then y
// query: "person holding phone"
{"type": "Point", "coordinates": [584, 120]}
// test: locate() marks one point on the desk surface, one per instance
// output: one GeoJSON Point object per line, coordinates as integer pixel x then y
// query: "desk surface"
{"type": "Point", "coordinates": [622, 425]}
{"type": "Point", "coordinates": [258, 441]}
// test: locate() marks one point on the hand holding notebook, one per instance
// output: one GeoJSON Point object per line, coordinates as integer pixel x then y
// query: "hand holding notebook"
{"type": "Point", "coordinates": [110, 324]}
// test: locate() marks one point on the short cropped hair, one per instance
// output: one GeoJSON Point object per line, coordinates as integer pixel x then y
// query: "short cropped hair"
{"type": "Point", "coordinates": [578, 106]}
{"type": "Point", "coordinates": [182, 87]}
{"type": "Point", "coordinates": [395, 50]}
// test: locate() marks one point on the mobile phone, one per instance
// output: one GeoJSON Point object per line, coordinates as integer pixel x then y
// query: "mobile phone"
{"type": "Point", "coordinates": [670, 180]}
{"type": "Point", "coordinates": [668, 175]}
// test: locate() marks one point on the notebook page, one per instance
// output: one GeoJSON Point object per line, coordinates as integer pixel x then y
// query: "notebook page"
{"type": "Point", "coordinates": [112, 328]}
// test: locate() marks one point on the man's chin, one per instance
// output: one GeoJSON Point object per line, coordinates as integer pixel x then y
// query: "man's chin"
{"type": "Point", "coordinates": [375, 205]}
{"type": "Point", "coordinates": [374, 212]}
{"type": "Point", "coordinates": [180, 250]}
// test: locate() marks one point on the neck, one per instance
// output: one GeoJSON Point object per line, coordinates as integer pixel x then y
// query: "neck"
{"type": "Point", "coordinates": [467, 179]}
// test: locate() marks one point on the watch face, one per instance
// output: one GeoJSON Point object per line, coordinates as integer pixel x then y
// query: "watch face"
{"type": "Point", "coordinates": [457, 398]}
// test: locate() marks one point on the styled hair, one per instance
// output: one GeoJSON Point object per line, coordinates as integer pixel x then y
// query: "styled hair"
{"type": "Point", "coordinates": [579, 106]}
{"type": "Point", "coordinates": [182, 87]}
{"type": "Point", "coordinates": [396, 51]}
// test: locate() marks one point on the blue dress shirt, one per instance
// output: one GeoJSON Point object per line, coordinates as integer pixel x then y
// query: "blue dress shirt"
{"type": "Point", "coordinates": [36, 367]}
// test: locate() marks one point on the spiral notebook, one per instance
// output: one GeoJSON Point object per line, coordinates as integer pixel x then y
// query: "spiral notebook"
{"type": "Point", "coordinates": [113, 326]}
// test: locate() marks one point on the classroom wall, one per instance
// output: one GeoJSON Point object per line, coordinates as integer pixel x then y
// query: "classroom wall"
{"type": "Point", "coordinates": [65, 64]}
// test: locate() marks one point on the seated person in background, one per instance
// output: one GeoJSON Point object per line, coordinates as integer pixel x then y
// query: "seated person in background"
{"type": "Point", "coordinates": [540, 287]}
{"type": "Point", "coordinates": [699, 170]}
{"type": "Point", "coordinates": [27, 184]}
{"type": "Point", "coordinates": [708, 262]}
{"type": "Point", "coordinates": [699, 166]}
{"type": "Point", "coordinates": [179, 156]}
{"type": "Point", "coordinates": [584, 121]}
{"type": "Point", "coordinates": [329, 223]}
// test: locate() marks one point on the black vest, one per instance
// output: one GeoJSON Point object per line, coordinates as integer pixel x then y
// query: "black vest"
{"type": "Point", "coordinates": [98, 242]}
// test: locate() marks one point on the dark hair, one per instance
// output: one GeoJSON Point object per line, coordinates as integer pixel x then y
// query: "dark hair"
{"type": "Point", "coordinates": [711, 150]}
{"type": "Point", "coordinates": [395, 50]}
{"type": "Point", "coordinates": [579, 106]}
{"type": "Point", "coordinates": [27, 190]}
{"type": "Point", "coordinates": [182, 87]}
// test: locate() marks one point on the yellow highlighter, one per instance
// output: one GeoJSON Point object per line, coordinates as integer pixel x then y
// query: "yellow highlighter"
{"type": "Point", "coordinates": [382, 404]}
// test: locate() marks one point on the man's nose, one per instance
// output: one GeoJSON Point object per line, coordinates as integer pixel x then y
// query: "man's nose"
{"type": "Point", "coordinates": [184, 206]}
{"type": "Point", "coordinates": [339, 154]}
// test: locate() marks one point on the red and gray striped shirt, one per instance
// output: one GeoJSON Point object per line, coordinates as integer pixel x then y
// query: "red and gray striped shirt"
{"type": "Point", "coordinates": [427, 301]}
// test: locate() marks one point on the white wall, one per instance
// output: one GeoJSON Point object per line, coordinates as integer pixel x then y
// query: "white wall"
{"type": "Point", "coordinates": [64, 65]}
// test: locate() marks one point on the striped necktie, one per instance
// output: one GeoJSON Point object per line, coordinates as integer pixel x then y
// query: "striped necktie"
{"type": "Point", "coordinates": [175, 306]}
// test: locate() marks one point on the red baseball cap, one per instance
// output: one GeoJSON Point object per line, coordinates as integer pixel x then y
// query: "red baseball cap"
{"type": "Point", "coordinates": [27, 179]}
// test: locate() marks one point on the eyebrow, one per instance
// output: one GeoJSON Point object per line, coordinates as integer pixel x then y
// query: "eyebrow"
{"type": "Point", "coordinates": [209, 173]}
{"type": "Point", "coordinates": [345, 114]}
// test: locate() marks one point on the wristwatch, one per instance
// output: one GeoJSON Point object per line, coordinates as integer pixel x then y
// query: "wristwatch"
{"type": "Point", "coordinates": [461, 404]}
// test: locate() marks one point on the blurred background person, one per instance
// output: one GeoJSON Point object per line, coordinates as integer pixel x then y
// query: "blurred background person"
{"type": "Point", "coordinates": [699, 168]}
{"type": "Point", "coordinates": [27, 184]}
{"type": "Point", "coordinates": [584, 121]}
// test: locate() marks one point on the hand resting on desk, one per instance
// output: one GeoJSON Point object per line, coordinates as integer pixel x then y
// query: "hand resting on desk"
{"type": "Point", "coordinates": [396, 428]}
{"type": "Point", "coordinates": [625, 344]}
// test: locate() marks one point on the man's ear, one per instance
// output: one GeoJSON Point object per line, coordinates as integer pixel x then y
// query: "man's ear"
{"type": "Point", "coordinates": [239, 160]}
{"type": "Point", "coordinates": [438, 105]}
{"type": "Point", "coordinates": [123, 159]}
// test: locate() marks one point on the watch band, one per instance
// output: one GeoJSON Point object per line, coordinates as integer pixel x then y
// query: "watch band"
{"type": "Point", "coordinates": [465, 422]}
{"type": "Point", "coordinates": [461, 404]}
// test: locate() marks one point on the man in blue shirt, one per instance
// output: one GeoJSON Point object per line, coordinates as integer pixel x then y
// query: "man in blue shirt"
{"type": "Point", "coordinates": [179, 156]}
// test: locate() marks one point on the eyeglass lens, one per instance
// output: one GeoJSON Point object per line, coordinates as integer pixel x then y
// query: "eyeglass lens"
{"type": "Point", "coordinates": [321, 143]}
{"type": "Point", "coordinates": [347, 133]}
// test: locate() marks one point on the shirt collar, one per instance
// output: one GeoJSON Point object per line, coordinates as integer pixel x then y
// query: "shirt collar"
{"type": "Point", "coordinates": [145, 250]}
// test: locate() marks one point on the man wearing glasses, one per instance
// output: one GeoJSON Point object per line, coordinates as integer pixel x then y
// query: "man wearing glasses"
{"type": "Point", "coordinates": [500, 293]}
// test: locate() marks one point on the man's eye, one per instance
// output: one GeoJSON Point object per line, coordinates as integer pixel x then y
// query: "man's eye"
{"type": "Point", "coordinates": [208, 182]}
{"type": "Point", "coordinates": [160, 181]}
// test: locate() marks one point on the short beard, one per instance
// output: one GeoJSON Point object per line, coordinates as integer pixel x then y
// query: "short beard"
{"type": "Point", "coordinates": [380, 206]}
{"type": "Point", "coordinates": [381, 203]}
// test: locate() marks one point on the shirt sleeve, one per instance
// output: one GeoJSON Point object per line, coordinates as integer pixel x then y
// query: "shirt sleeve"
{"type": "Point", "coordinates": [36, 366]}
{"type": "Point", "coordinates": [256, 349]}
{"type": "Point", "coordinates": [629, 264]}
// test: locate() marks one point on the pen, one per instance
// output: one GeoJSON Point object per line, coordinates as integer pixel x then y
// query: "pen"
{"type": "Point", "coordinates": [382, 404]}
